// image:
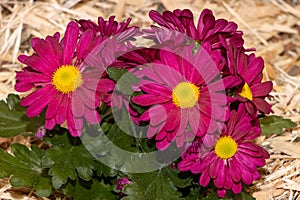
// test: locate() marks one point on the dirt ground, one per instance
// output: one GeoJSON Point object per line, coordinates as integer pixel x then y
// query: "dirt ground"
{"type": "Point", "coordinates": [270, 26]}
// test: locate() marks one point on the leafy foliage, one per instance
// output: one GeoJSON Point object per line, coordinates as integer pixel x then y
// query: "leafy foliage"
{"type": "Point", "coordinates": [116, 73]}
{"type": "Point", "coordinates": [26, 169]}
{"type": "Point", "coordinates": [13, 120]}
{"type": "Point", "coordinates": [159, 185]}
{"type": "Point", "coordinates": [67, 160]}
{"type": "Point", "coordinates": [275, 124]}
{"type": "Point", "coordinates": [93, 189]}
{"type": "Point", "coordinates": [230, 196]}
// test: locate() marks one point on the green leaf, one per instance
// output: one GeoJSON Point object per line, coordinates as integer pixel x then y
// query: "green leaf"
{"type": "Point", "coordinates": [13, 120]}
{"type": "Point", "coordinates": [105, 170]}
{"type": "Point", "coordinates": [91, 190]}
{"type": "Point", "coordinates": [26, 169]}
{"type": "Point", "coordinates": [275, 124]}
{"type": "Point", "coordinates": [177, 178]}
{"type": "Point", "coordinates": [194, 194]}
{"type": "Point", "coordinates": [244, 195]}
{"type": "Point", "coordinates": [118, 150]}
{"type": "Point", "coordinates": [152, 185]}
{"type": "Point", "coordinates": [116, 73]}
{"type": "Point", "coordinates": [68, 159]}
{"type": "Point", "coordinates": [124, 80]}
{"type": "Point", "coordinates": [212, 196]}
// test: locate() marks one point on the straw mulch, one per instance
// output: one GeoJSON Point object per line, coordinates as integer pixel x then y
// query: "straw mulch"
{"type": "Point", "coordinates": [271, 26]}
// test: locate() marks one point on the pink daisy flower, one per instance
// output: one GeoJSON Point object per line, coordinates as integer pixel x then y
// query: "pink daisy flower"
{"type": "Point", "coordinates": [63, 84]}
{"type": "Point", "coordinates": [184, 93]}
{"type": "Point", "coordinates": [252, 91]}
{"type": "Point", "coordinates": [209, 33]}
{"type": "Point", "coordinates": [110, 28]}
{"type": "Point", "coordinates": [234, 158]}
{"type": "Point", "coordinates": [208, 28]}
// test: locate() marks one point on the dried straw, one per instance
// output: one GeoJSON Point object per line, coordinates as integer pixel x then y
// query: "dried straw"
{"type": "Point", "coordinates": [271, 26]}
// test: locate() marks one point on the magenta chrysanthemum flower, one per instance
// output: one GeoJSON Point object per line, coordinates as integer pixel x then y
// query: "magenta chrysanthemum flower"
{"type": "Point", "coordinates": [234, 158]}
{"type": "Point", "coordinates": [252, 91]}
{"type": "Point", "coordinates": [208, 28]}
{"type": "Point", "coordinates": [184, 94]}
{"type": "Point", "coordinates": [62, 81]}
{"type": "Point", "coordinates": [209, 33]}
{"type": "Point", "coordinates": [110, 28]}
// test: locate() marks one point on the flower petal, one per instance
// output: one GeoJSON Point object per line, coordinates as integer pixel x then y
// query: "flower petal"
{"type": "Point", "coordinates": [149, 99]}
{"type": "Point", "coordinates": [261, 89]}
{"type": "Point", "coordinates": [70, 41]}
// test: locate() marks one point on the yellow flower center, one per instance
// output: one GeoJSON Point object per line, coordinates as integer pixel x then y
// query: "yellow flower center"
{"type": "Point", "coordinates": [225, 147]}
{"type": "Point", "coordinates": [185, 95]}
{"type": "Point", "coordinates": [66, 79]}
{"type": "Point", "coordinates": [246, 92]}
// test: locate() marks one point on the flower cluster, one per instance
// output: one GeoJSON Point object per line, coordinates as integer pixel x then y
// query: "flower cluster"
{"type": "Point", "coordinates": [197, 86]}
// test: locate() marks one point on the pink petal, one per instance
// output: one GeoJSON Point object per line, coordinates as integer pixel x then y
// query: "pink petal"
{"type": "Point", "coordinates": [234, 170]}
{"type": "Point", "coordinates": [70, 41]}
{"type": "Point", "coordinates": [156, 88]}
{"type": "Point", "coordinates": [262, 89]}
{"type": "Point", "coordinates": [62, 110]}
{"type": "Point", "coordinates": [50, 123]}
{"type": "Point", "coordinates": [30, 99]}
{"type": "Point", "coordinates": [74, 123]}
{"type": "Point", "coordinates": [161, 135]}
{"type": "Point", "coordinates": [23, 87]}
{"type": "Point", "coordinates": [92, 116]}
{"type": "Point", "coordinates": [84, 43]}
{"type": "Point", "coordinates": [237, 188]}
{"type": "Point", "coordinates": [105, 85]}
{"type": "Point", "coordinates": [246, 176]}
{"type": "Point", "coordinates": [245, 162]}
{"type": "Point", "coordinates": [157, 114]}
{"type": "Point", "coordinates": [204, 179]}
{"type": "Point", "coordinates": [173, 120]}
{"type": "Point", "coordinates": [89, 98]}
{"type": "Point", "coordinates": [221, 193]}
{"type": "Point", "coordinates": [149, 99]}
{"type": "Point", "coordinates": [152, 131]}
{"type": "Point", "coordinates": [220, 179]}
{"type": "Point", "coordinates": [214, 168]}
{"type": "Point", "coordinates": [77, 106]}
{"type": "Point", "coordinates": [54, 104]}
{"type": "Point", "coordinates": [75, 133]}
{"type": "Point", "coordinates": [37, 63]}
{"type": "Point", "coordinates": [262, 105]}
{"type": "Point", "coordinates": [164, 70]}
{"type": "Point", "coordinates": [162, 145]}
{"type": "Point", "coordinates": [255, 68]}
{"type": "Point", "coordinates": [32, 77]}
{"type": "Point", "coordinates": [38, 106]}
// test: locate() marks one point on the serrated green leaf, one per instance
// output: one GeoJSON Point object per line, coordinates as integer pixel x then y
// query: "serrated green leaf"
{"type": "Point", "coordinates": [68, 159]}
{"type": "Point", "coordinates": [177, 179]}
{"type": "Point", "coordinates": [109, 149]}
{"type": "Point", "coordinates": [275, 124]}
{"type": "Point", "coordinates": [193, 194]}
{"type": "Point", "coordinates": [26, 169]}
{"type": "Point", "coordinates": [103, 170]}
{"type": "Point", "coordinates": [91, 190]}
{"type": "Point", "coordinates": [13, 120]}
{"type": "Point", "coordinates": [152, 185]}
